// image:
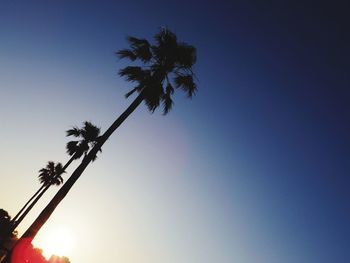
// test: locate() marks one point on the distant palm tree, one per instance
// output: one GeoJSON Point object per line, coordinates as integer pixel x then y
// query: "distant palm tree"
{"type": "Point", "coordinates": [162, 68]}
{"type": "Point", "coordinates": [48, 176]}
{"type": "Point", "coordinates": [51, 174]}
{"type": "Point", "coordinates": [88, 136]}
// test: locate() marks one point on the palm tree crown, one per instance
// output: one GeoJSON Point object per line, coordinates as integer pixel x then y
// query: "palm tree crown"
{"type": "Point", "coordinates": [88, 135]}
{"type": "Point", "coordinates": [162, 66]}
{"type": "Point", "coordinates": [51, 174]}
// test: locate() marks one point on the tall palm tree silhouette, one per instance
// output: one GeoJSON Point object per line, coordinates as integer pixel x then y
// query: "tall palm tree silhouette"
{"type": "Point", "coordinates": [88, 136]}
{"type": "Point", "coordinates": [163, 67]}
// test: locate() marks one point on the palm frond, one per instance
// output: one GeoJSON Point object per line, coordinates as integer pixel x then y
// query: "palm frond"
{"type": "Point", "coordinates": [72, 147]}
{"type": "Point", "coordinates": [57, 180]}
{"type": "Point", "coordinates": [44, 177]}
{"type": "Point", "coordinates": [186, 83]}
{"type": "Point", "coordinates": [167, 103]}
{"type": "Point", "coordinates": [59, 169]}
{"type": "Point", "coordinates": [132, 73]}
{"type": "Point", "coordinates": [153, 95]}
{"type": "Point", "coordinates": [91, 132]}
{"type": "Point", "coordinates": [75, 131]}
{"type": "Point", "coordinates": [47, 173]}
{"type": "Point", "coordinates": [140, 48]}
{"type": "Point", "coordinates": [126, 53]}
{"type": "Point", "coordinates": [185, 56]}
{"type": "Point", "coordinates": [134, 41]}
{"type": "Point", "coordinates": [166, 37]}
{"type": "Point", "coordinates": [152, 102]}
{"type": "Point", "coordinates": [50, 167]}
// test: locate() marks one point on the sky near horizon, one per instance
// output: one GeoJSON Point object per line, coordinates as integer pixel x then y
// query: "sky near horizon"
{"type": "Point", "coordinates": [255, 169]}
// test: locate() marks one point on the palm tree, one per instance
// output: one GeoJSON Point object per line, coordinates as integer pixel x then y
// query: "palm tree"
{"type": "Point", "coordinates": [48, 176]}
{"type": "Point", "coordinates": [88, 136]}
{"type": "Point", "coordinates": [163, 67]}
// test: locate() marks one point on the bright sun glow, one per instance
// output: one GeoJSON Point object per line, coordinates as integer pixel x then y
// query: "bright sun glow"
{"type": "Point", "coordinates": [59, 241]}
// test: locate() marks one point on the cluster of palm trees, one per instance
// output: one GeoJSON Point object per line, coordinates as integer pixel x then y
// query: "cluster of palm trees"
{"type": "Point", "coordinates": [51, 174]}
{"type": "Point", "coordinates": [157, 71]}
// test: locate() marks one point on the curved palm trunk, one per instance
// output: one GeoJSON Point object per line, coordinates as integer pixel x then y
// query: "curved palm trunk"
{"type": "Point", "coordinates": [48, 210]}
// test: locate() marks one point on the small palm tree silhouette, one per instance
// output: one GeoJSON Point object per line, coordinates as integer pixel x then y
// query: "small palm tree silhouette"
{"type": "Point", "coordinates": [51, 174]}
{"type": "Point", "coordinates": [88, 135]}
{"type": "Point", "coordinates": [48, 176]}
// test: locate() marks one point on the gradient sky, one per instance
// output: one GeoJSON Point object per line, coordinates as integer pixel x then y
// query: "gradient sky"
{"type": "Point", "coordinates": [255, 169]}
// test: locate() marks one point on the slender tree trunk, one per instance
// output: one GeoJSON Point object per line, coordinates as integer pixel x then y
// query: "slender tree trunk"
{"type": "Point", "coordinates": [37, 192]}
{"type": "Point", "coordinates": [43, 189]}
{"type": "Point", "coordinates": [20, 219]}
{"type": "Point", "coordinates": [48, 210]}
{"type": "Point", "coordinates": [68, 163]}
{"type": "Point", "coordinates": [26, 204]}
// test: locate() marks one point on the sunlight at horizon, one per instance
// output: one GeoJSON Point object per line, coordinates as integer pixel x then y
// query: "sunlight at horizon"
{"type": "Point", "coordinates": [60, 242]}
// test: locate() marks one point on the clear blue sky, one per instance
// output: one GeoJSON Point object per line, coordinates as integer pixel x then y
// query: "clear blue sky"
{"type": "Point", "coordinates": [255, 169]}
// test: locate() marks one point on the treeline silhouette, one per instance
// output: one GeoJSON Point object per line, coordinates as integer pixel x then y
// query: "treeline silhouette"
{"type": "Point", "coordinates": [157, 71]}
